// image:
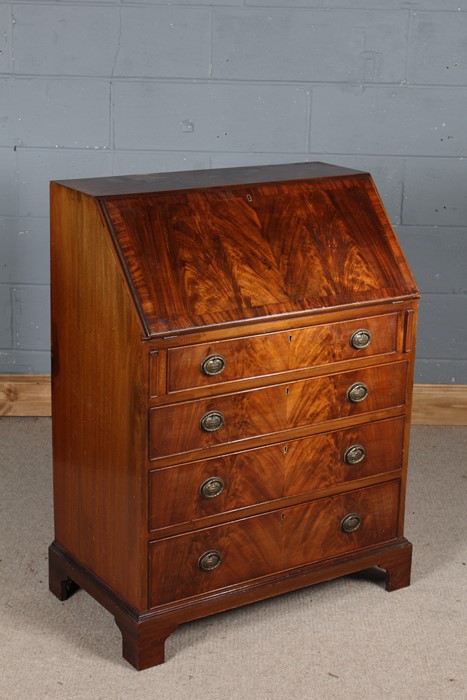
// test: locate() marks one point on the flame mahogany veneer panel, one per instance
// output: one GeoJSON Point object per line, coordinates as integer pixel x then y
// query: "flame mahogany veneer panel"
{"type": "Point", "coordinates": [276, 471]}
{"type": "Point", "coordinates": [264, 544]}
{"type": "Point", "coordinates": [205, 258]}
{"type": "Point", "coordinates": [176, 429]}
{"type": "Point", "coordinates": [269, 353]}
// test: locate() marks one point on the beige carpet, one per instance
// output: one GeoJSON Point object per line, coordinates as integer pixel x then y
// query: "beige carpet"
{"type": "Point", "coordinates": [346, 639]}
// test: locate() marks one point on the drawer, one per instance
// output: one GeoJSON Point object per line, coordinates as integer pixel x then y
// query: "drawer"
{"type": "Point", "coordinates": [270, 543]}
{"type": "Point", "coordinates": [188, 492]}
{"type": "Point", "coordinates": [229, 418]}
{"type": "Point", "coordinates": [217, 363]}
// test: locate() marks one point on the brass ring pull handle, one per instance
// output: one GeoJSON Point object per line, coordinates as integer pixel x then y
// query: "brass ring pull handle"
{"type": "Point", "coordinates": [357, 392]}
{"type": "Point", "coordinates": [212, 421]}
{"type": "Point", "coordinates": [351, 522]}
{"type": "Point", "coordinates": [212, 365]}
{"type": "Point", "coordinates": [354, 454]}
{"type": "Point", "coordinates": [360, 339]}
{"type": "Point", "coordinates": [210, 560]}
{"type": "Point", "coordinates": [212, 487]}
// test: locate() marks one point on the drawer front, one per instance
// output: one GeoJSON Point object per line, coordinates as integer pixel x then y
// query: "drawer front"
{"type": "Point", "coordinates": [270, 543]}
{"type": "Point", "coordinates": [216, 363]}
{"type": "Point", "coordinates": [229, 418]}
{"type": "Point", "coordinates": [189, 492]}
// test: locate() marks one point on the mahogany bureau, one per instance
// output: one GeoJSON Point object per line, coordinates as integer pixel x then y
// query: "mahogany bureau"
{"type": "Point", "coordinates": [232, 375]}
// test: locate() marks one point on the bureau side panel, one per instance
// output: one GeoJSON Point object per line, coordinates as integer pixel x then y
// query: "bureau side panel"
{"type": "Point", "coordinates": [99, 390]}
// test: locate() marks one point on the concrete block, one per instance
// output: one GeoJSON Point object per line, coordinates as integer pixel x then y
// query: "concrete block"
{"type": "Point", "coordinates": [134, 162]}
{"type": "Point", "coordinates": [435, 192]}
{"type": "Point", "coordinates": [183, 2]}
{"type": "Point", "coordinates": [37, 167]}
{"type": "Point", "coordinates": [399, 4]}
{"type": "Point", "coordinates": [8, 195]}
{"type": "Point", "coordinates": [314, 4]}
{"type": "Point", "coordinates": [6, 332]}
{"type": "Point", "coordinates": [392, 121]}
{"type": "Point", "coordinates": [31, 317]}
{"type": "Point", "coordinates": [441, 371]}
{"type": "Point", "coordinates": [438, 50]}
{"type": "Point", "coordinates": [237, 160]}
{"type": "Point", "coordinates": [452, 5]}
{"type": "Point", "coordinates": [65, 2]}
{"type": "Point", "coordinates": [25, 251]}
{"type": "Point", "coordinates": [210, 117]}
{"type": "Point", "coordinates": [6, 65]}
{"type": "Point", "coordinates": [63, 39]}
{"type": "Point", "coordinates": [24, 362]}
{"type": "Point", "coordinates": [55, 112]}
{"type": "Point", "coordinates": [442, 327]}
{"type": "Point", "coordinates": [168, 42]}
{"type": "Point", "coordinates": [272, 44]}
{"type": "Point", "coordinates": [387, 173]}
{"type": "Point", "coordinates": [437, 256]}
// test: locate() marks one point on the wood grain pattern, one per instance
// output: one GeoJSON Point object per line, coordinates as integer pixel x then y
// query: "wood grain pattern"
{"type": "Point", "coordinates": [264, 544]}
{"type": "Point", "coordinates": [247, 414]}
{"type": "Point", "coordinates": [123, 185]}
{"type": "Point", "coordinates": [273, 267]}
{"type": "Point", "coordinates": [433, 404]}
{"type": "Point", "coordinates": [271, 353]}
{"type": "Point", "coordinates": [209, 258]}
{"type": "Point", "coordinates": [25, 395]}
{"type": "Point", "coordinates": [143, 647]}
{"type": "Point", "coordinates": [99, 398]}
{"type": "Point", "coordinates": [439, 404]}
{"type": "Point", "coordinates": [274, 472]}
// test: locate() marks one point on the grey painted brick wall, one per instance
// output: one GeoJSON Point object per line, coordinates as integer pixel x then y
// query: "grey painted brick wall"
{"type": "Point", "coordinates": [107, 87]}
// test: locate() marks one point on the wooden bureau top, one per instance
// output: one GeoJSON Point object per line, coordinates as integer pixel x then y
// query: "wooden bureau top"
{"type": "Point", "coordinates": [148, 183]}
{"type": "Point", "coordinates": [205, 249]}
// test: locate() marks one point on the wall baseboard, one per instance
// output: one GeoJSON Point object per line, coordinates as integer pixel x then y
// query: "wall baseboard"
{"type": "Point", "coordinates": [439, 404]}
{"type": "Point", "coordinates": [433, 404]}
{"type": "Point", "coordinates": [25, 395]}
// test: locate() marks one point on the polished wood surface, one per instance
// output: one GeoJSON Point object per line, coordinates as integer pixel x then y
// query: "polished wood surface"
{"type": "Point", "coordinates": [209, 258]}
{"type": "Point", "coordinates": [433, 404]}
{"type": "Point", "coordinates": [274, 472]}
{"type": "Point", "coordinates": [121, 185]}
{"type": "Point", "coordinates": [265, 474]}
{"type": "Point", "coordinates": [99, 385]}
{"type": "Point", "coordinates": [284, 351]}
{"type": "Point", "coordinates": [273, 268]}
{"type": "Point", "coordinates": [143, 634]}
{"type": "Point", "coordinates": [264, 544]}
{"type": "Point", "coordinates": [176, 429]}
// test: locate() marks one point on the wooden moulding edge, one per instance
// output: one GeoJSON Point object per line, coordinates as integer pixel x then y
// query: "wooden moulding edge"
{"type": "Point", "coordinates": [385, 555]}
